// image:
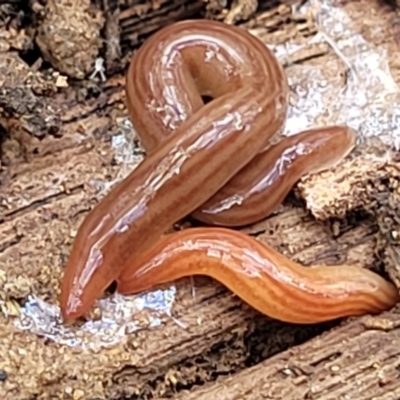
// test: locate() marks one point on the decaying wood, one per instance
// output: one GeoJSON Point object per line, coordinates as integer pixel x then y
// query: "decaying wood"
{"type": "Point", "coordinates": [51, 179]}
{"type": "Point", "coordinates": [43, 203]}
{"type": "Point", "coordinates": [359, 360]}
{"type": "Point", "coordinates": [151, 361]}
{"type": "Point", "coordinates": [74, 22]}
{"type": "Point", "coordinates": [141, 19]}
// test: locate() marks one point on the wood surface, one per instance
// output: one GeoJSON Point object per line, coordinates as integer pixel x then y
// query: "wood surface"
{"type": "Point", "coordinates": [57, 150]}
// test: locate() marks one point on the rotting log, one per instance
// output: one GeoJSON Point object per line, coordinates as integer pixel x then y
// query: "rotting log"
{"type": "Point", "coordinates": [153, 362]}
{"type": "Point", "coordinates": [359, 360]}
{"type": "Point", "coordinates": [46, 190]}
{"type": "Point", "coordinates": [43, 202]}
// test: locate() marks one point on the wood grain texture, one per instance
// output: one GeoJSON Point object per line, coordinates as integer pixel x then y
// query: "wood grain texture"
{"type": "Point", "coordinates": [348, 362]}
{"type": "Point", "coordinates": [36, 220]}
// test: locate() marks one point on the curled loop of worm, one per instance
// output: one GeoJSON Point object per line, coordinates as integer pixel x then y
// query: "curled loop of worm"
{"type": "Point", "coordinates": [215, 161]}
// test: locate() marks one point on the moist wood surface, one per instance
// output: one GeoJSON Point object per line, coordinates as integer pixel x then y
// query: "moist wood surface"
{"type": "Point", "coordinates": [51, 177]}
{"type": "Point", "coordinates": [359, 360]}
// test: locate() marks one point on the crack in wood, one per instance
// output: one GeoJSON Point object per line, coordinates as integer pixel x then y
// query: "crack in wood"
{"type": "Point", "coordinates": [7, 217]}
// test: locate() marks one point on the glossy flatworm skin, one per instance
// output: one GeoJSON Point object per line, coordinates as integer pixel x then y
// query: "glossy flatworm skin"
{"type": "Point", "coordinates": [214, 160]}
{"type": "Point", "coordinates": [265, 279]}
{"type": "Point", "coordinates": [256, 190]}
{"type": "Point", "coordinates": [196, 160]}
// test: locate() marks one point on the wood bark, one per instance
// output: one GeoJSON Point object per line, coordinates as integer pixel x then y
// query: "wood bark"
{"type": "Point", "coordinates": [358, 360]}
{"type": "Point", "coordinates": [54, 173]}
